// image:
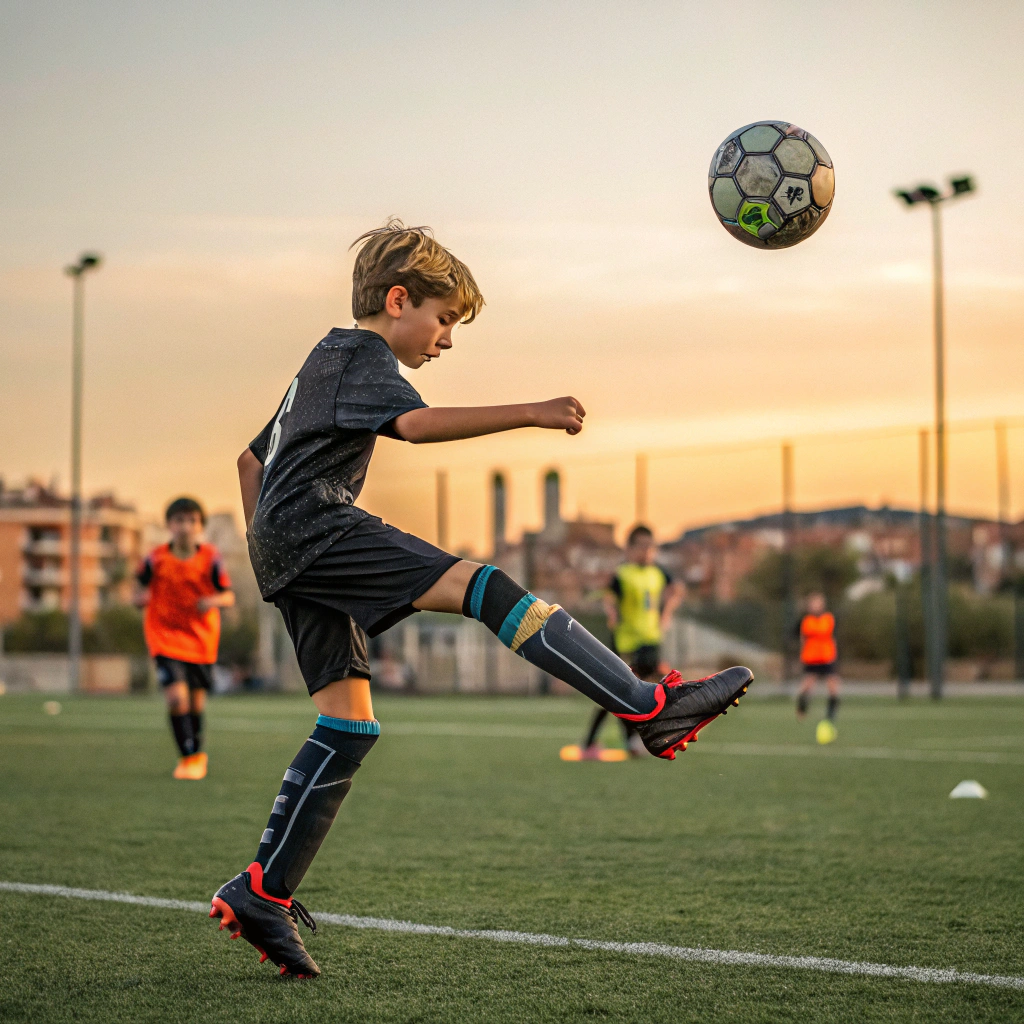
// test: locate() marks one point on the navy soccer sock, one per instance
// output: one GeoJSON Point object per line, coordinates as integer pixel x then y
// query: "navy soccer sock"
{"type": "Point", "coordinates": [197, 731]}
{"type": "Point", "coordinates": [181, 726]}
{"type": "Point", "coordinates": [548, 637]}
{"type": "Point", "coordinates": [833, 707]}
{"type": "Point", "coordinates": [314, 785]}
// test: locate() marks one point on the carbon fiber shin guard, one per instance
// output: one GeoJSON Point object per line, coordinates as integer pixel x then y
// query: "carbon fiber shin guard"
{"type": "Point", "coordinates": [312, 791]}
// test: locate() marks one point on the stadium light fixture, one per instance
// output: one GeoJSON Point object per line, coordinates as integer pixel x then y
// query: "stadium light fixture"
{"type": "Point", "coordinates": [77, 271]}
{"type": "Point", "coordinates": [938, 643]}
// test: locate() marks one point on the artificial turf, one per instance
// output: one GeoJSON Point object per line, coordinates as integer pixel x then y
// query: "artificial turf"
{"type": "Point", "coordinates": [463, 815]}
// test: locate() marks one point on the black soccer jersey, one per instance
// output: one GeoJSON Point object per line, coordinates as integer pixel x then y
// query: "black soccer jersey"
{"type": "Point", "coordinates": [316, 449]}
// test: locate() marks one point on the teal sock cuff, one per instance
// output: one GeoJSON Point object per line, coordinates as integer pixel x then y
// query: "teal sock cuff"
{"type": "Point", "coordinates": [507, 633]}
{"type": "Point", "coordinates": [348, 725]}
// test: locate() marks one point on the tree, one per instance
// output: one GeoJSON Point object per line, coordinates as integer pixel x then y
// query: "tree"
{"type": "Point", "coordinates": [816, 568]}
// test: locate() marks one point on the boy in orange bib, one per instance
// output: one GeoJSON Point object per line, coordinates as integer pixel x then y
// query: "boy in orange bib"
{"type": "Point", "coordinates": [818, 655]}
{"type": "Point", "coordinates": [183, 586]}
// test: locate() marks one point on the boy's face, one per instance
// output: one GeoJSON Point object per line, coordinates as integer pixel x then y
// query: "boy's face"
{"type": "Point", "coordinates": [642, 551]}
{"type": "Point", "coordinates": [185, 528]}
{"type": "Point", "coordinates": [421, 333]}
{"type": "Point", "coordinates": [816, 604]}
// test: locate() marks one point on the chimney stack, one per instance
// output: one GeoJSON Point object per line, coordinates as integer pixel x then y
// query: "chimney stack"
{"type": "Point", "coordinates": [552, 501]}
{"type": "Point", "coordinates": [498, 498]}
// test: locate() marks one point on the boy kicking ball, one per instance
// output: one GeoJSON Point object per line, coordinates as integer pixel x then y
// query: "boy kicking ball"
{"type": "Point", "coordinates": [338, 574]}
{"type": "Point", "coordinates": [182, 586]}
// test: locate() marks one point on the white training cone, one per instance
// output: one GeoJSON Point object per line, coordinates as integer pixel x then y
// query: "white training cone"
{"type": "Point", "coordinates": [969, 790]}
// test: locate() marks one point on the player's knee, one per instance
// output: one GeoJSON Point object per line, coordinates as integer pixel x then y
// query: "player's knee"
{"type": "Point", "coordinates": [177, 698]}
{"type": "Point", "coordinates": [504, 607]}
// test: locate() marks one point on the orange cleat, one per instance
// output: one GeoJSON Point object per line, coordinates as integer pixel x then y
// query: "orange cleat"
{"type": "Point", "coordinates": [192, 767]}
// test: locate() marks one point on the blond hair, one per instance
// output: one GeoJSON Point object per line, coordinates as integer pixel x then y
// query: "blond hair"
{"type": "Point", "coordinates": [410, 257]}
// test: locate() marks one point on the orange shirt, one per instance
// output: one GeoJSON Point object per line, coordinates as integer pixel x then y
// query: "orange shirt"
{"type": "Point", "coordinates": [817, 633]}
{"type": "Point", "coordinates": [174, 625]}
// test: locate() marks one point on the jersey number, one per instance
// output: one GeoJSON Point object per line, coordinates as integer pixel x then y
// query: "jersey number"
{"type": "Point", "coordinates": [275, 434]}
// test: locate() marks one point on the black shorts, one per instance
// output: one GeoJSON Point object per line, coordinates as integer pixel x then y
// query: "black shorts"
{"type": "Point", "coordinates": [363, 583]}
{"type": "Point", "coordinates": [819, 669]}
{"type": "Point", "coordinates": [170, 671]}
{"type": "Point", "coordinates": [644, 661]}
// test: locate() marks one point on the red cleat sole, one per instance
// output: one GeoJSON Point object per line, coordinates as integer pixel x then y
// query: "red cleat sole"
{"type": "Point", "coordinates": [691, 737]}
{"type": "Point", "coordinates": [218, 908]}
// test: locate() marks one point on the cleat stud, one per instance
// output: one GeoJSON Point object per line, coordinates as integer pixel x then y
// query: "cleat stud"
{"type": "Point", "coordinates": [284, 970]}
{"type": "Point", "coordinates": [263, 956]}
{"type": "Point", "coordinates": [223, 925]}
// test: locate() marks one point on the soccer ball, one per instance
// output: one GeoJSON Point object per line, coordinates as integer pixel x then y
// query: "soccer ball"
{"type": "Point", "coordinates": [771, 184]}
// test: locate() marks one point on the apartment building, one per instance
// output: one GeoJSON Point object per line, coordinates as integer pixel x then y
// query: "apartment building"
{"type": "Point", "coordinates": [35, 542]}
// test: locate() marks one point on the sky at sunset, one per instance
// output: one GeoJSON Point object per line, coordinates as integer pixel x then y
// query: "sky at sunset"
{"type": "Point", "coordinates": [222, 157]}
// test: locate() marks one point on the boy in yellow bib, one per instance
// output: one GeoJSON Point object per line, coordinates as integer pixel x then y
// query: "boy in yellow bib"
{"type": "Point", "coordinates": [639, 604]}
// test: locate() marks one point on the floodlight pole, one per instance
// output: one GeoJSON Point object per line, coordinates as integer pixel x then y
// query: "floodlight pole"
{"type": "Point", "coordinates": [88, 261]}
{"type": "Point", "coordinates": [938, 642]}
{"type": "Point", "coordinates": [940, 583]}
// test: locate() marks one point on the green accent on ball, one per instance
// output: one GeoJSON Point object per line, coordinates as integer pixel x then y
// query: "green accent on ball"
{"type": "Point", "coordinates": [753, 215]}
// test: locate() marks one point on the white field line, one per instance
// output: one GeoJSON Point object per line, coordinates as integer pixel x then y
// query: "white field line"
{"type": "Point", "coordinates": [470, 730]}
{"type": "Point", "coordinates": [729, 958]}
{"type": "Point", "coordinates": [462, 730]}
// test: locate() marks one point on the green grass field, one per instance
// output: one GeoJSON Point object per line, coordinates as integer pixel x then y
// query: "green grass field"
{"type": "Point", "coordinates": [754, 840]}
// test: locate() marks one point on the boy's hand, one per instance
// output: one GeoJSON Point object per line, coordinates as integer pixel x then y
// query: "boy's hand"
{"type": "Point", "coordinates": [561, 414]}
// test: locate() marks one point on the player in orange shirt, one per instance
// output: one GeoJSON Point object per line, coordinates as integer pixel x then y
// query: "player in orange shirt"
{"type": "Point", "coordinates": [183, 586]}
{"type": "Point", "coordinates": [819, 656]}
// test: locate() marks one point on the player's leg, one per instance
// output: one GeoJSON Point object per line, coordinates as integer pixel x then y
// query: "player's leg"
{"type": "Point", "coordinates": [173, 681]}
{"type": "Point", "coordinates": [197, 708]}
{"type": "Point", "coordinates": [668, 714]}
{"type": "Point", "coordinates": [646, 663]}
{"type": "Point", "coordinates": [803, 698]}
{"type": "Point", "coordinates": [200, 679]}
{"type": "Point", "coordinates": [590, 743]}
{"type": "Point", "coordinates": [258, 903]}
{"type": "Point", "coordinates": [833, 684]}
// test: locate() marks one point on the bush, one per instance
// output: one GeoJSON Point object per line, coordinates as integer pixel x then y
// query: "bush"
{"type": "Point", "coordinates": [118, 630]}
{"type": "Point", "coordinates": [816, 568]}
{"type": "Point", "coordinates": [239, 636]}
{"type": "Point", "coordinates": [884, 626]}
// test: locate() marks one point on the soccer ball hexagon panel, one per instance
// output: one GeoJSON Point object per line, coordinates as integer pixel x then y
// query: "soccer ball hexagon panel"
{"type": "Point", "coordinates": [771, 184]}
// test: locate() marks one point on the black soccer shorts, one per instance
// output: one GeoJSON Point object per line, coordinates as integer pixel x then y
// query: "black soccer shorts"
{"type": "Point", "coordinates": [171, 670]}
{"type": "Point", "coordinates": [362, 584]}
{"type": "Point", "coordinates": [821, 669]}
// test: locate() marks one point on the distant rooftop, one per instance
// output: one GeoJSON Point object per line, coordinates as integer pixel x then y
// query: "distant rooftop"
{"type": "Point", "coordinates": [35, 494]}
{"type": "Point", "coordinates": [852, 517]}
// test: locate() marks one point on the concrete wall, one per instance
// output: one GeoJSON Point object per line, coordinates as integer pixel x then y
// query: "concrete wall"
{"type": "Point", "coordinates": [48, 673]}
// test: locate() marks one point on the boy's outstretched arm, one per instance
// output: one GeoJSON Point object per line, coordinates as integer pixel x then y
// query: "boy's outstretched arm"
{"type": "Point", "coordinates": [250, 477]}
{"type": "Point", "coordinates": [424, 425]}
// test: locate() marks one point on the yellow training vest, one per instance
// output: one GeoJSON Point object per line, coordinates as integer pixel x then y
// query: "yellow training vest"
{"type": "Point", "coordinates": [641, 588]}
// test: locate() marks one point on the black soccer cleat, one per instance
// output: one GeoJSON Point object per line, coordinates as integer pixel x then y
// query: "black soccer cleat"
{"type": "Point", "coordinates": [687, 706]}
{"type": "Point", "coordinates": [265, 922]}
